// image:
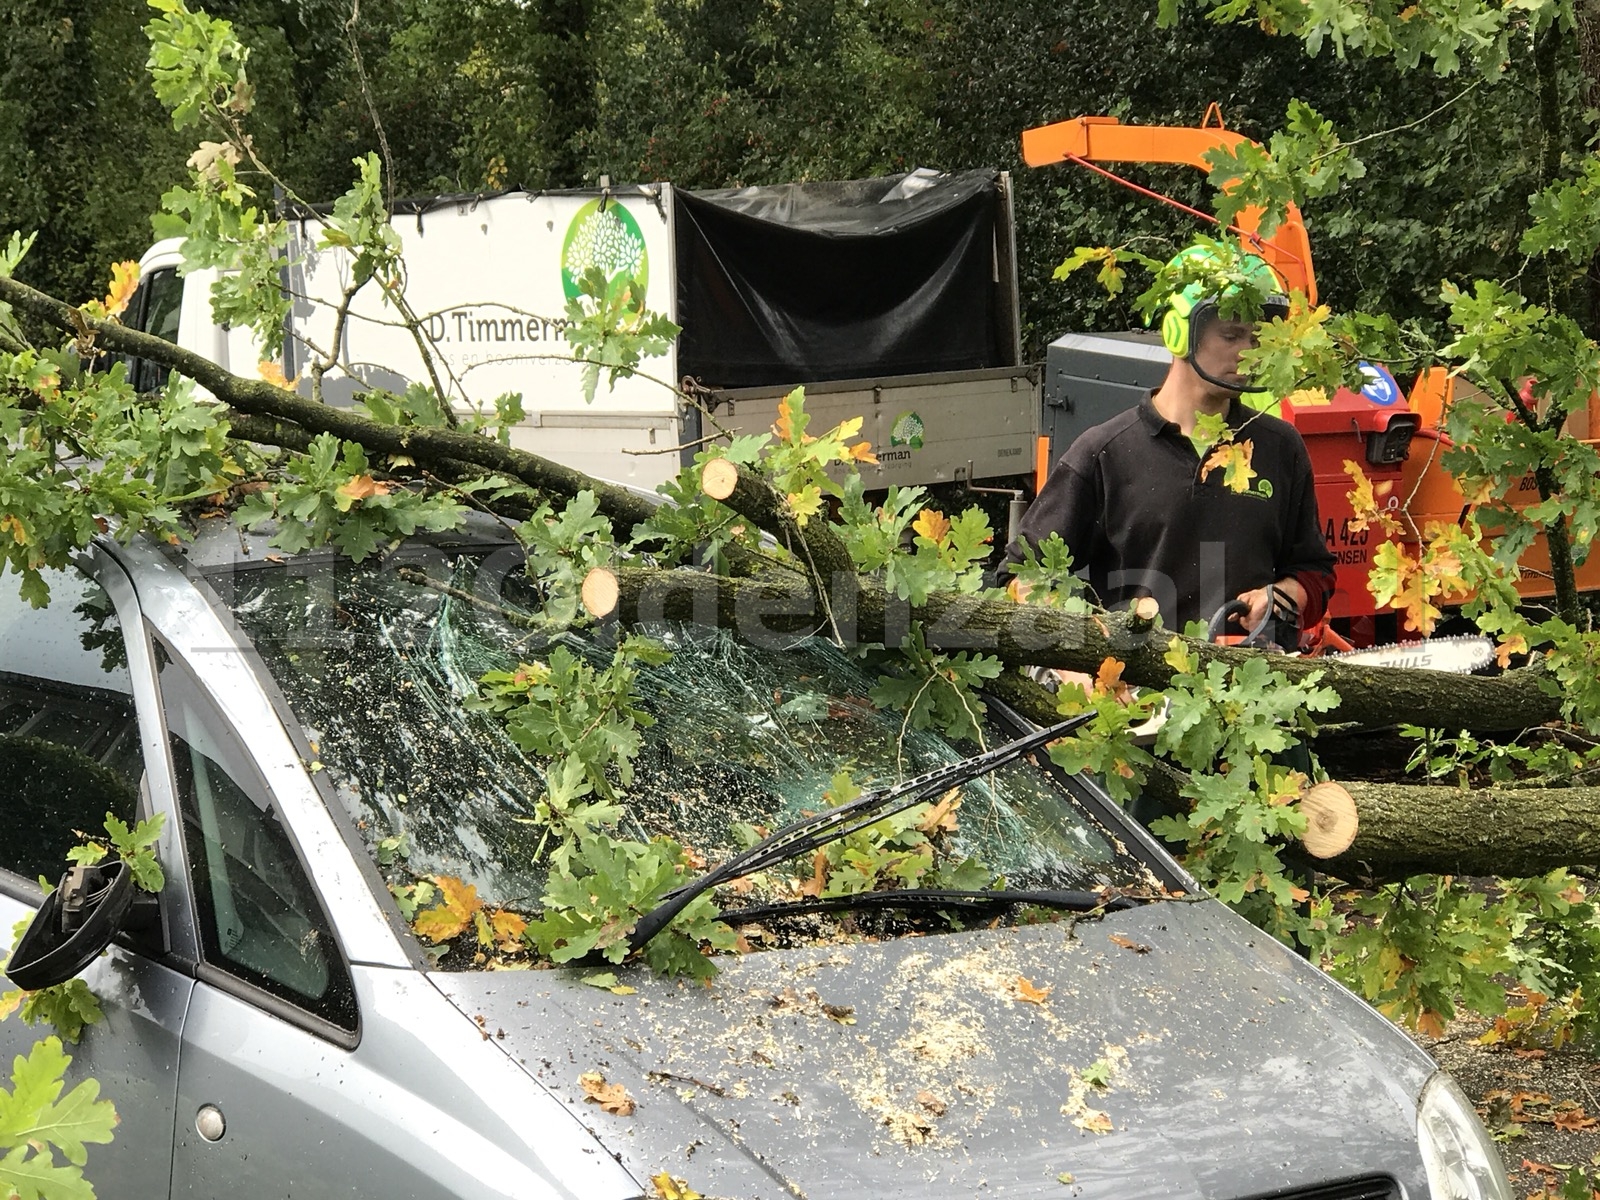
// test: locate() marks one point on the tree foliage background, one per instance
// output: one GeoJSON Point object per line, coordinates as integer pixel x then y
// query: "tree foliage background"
{"type": "Point", "coordinates": [461, 97]}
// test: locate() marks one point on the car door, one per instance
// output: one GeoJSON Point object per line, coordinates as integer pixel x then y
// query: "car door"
{"type": "Point", "coordinates": [302, 1074]}
{"type": "Point", "coordinates": [73, 690]}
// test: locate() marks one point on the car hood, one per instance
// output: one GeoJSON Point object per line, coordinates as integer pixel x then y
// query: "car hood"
{"type": "Point", "coordinates": [965, 1064]}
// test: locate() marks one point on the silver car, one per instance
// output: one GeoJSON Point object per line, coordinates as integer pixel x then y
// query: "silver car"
{"type": "Point", "coordinates": [273, 1026]}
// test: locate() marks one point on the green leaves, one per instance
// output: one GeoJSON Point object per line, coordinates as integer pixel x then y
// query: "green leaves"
{"type": "Point", "coordinates": [196, 64]}
{"type": "Point", "coordinates": [1424, 943]}
{"type": "Point", "coordinates": [594, 906]}
{"type": "Point", "coordinates": [330, 496]}
{"type": "Point", "coordinates": [37, 1122]}
{"type": "Point", "coordinates": [68, 1007]}
{"type": "Point", "coordinates": [1475, 32]}
{"type": "Point", "coordinates": [610, 330]}
{"type": "Point", "coordinates": [1304, 160]}
{"type": "Point", "coordinates": [135, 846]}
{"type": "Point", "coordinates": [584, 719]}
{"type": "Point", "coordinates": [563, 548]}
{"type": "Point", "coordinates": [359, 223]}
{"type": "Point", "coordinates": [938, 691]}
{"type": "Point", "coordinates": [1222, 726]}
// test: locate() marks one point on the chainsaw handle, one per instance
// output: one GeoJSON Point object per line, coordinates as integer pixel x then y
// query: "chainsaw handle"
{"type": "Point", "coordinates": [1219, 621]}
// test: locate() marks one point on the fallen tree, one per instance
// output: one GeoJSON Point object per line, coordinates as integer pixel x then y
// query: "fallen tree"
{"type": "Point", "coordinates": [1397, 829]}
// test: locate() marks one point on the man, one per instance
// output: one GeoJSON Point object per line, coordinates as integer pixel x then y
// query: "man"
{"type": "Point", "coordinates": [1144, 501]}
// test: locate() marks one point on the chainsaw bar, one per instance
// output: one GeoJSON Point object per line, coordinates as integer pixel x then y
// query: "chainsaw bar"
{"type": "Point", "coordinates": [1458, 655]}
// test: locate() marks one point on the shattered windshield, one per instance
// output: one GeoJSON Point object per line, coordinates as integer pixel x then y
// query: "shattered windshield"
{"type": "Point", "coordinates": [378, 665]}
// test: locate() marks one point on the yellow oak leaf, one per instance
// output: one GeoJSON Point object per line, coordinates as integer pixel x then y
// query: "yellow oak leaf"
{"type": "Point", "coordinates": [848, 428]}
{"type": "Point", "coordinates": [1515, 644]}
{"type": "Point", "coordinates": [669, 1188]}
{"type": "Point", "coordinates": [611, 1097]}
{"type": "Point", "coordinates": [124, 280]}
{"type": "Point", "coordinates": [861, 452]}
{"type": "Point", "coordinates": [458, 905]}
{"type": "Point", "coordinates": [806, 503]}
{"type": "Point", "coordinates": [1233, 459]}
{"type": "Point", "coordinates": [792, 418]}
{"type": "Point", "coordinates": [508, 927]}
{"type": "Point", "coordinates": [932, 524]}
{"type": "Point", "coordinates": [942, 816]}
{"type": "Point", "coordinates": [17, 530]}
{"type": "Point", "coordinates": [273, 374]}
{"type": "Point", "coordinates": [362, 487]}
{"type": "Point", "coordinates": [1109, 678]}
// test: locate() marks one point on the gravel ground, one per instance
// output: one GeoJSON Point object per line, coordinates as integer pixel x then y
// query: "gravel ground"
{"type": "Point", "coordinates": [1543, 1106]}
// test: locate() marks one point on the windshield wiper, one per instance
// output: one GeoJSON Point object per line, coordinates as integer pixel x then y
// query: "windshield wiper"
{"type": "Point", "coordinates": [940, 898]}
{"type": "Point", "coordinates": [809, 833]}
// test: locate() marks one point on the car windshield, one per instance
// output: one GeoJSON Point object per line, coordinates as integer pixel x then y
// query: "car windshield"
{"type": "Point", "coordinates": [376, 664]}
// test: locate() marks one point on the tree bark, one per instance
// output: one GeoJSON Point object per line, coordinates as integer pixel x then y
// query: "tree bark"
{"type": "Point", "coordinates": [1512, 832]}
{"type": "Point", "coordinates": [1019, 634]}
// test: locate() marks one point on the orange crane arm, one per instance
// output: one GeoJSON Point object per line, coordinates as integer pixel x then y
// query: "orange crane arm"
{"type": "Point", "coordinates": [1106, 139]}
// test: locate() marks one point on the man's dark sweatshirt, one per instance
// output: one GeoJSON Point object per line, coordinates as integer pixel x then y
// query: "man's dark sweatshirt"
{"type": "Point", "coordinates": [1128, 500]}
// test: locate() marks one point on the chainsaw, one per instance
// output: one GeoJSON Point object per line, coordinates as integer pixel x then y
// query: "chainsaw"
{"type": "Point", "coordinates": [1460, 655]}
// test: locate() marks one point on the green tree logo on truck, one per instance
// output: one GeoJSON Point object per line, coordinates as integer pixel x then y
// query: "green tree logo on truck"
{"type": "Point", "coordinates": [608, 238]}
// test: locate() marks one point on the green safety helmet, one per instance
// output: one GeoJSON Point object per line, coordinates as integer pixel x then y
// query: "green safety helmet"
{"type": "Point", "coordinates": [1189, 311]}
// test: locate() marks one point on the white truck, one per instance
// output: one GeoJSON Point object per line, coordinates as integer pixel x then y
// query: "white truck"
{"type": "Point", "coordinates": [892, 299]}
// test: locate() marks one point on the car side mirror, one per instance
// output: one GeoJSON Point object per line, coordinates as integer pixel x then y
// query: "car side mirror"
{"type": "Point", "coordinates": [75, 924]}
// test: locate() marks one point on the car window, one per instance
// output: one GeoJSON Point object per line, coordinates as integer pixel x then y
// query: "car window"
{"type": "Point", "coordinates": [259, 916]}
{"type": "Point", "coordinates": [377, 664]}
{"type": "Point", "coordinates": [69, 740]}
{"type": "Point", "coordinates": [155, 308]}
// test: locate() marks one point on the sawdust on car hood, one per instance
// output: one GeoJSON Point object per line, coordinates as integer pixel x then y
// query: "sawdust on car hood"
{"type": "Point", "coordinates": [969, 1064]}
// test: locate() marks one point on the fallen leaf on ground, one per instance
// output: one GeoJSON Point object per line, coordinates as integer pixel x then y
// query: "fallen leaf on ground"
{"type": "Point", "coordinates": [1028, 993]}
{"type": "Point", "coordinates": [1094, 1121]}
{"type": "Point", "coordinates": [612, 1097]}
{"type": "Point", "coordinates": [1129, 944]}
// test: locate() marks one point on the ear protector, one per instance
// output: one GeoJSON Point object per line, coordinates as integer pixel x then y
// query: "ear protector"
{"type": "Point", "coordinates": [1175, 323]}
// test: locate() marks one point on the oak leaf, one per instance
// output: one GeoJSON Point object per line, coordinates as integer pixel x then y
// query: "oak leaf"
{"type": "Point", "coordinates": [942, 816]}
{"type": "Point", "coordinates": [458, 906]}
{"type": "Point", "coordinates": [611, 1097]}
{"type": "Point", "coordinates": [932, 524]}
{"type": "Point", "coordinates": [1028, 993]}
{"type": "Point", "coordinates": [1515, 644]}
{"type": "Point", "coordinates": [1233, 459]}
{"type": "Point", "coordinates": [273, 374]}
{"type": "Point", "coordinates": [362, 487]}
{"type": "Point", "coordinates": [508, 928]}
{"type": "Point", "coordinates": [1093, 1120]}
{"type": "Point", "coordinates": [1573, 1119]}
{"type": "Point", "coordinates": [861, 452]}
{"type": "Point", "coordinates": [792, 418]}
{"type": "Point", "coordinates": [124, 281]}
{"type": "Point", "coordinates": [1108, 679]}
{"type": "Point", "coordinates": [669, 1188]}
{"type": "Point", "coordinates": [1128, 944]}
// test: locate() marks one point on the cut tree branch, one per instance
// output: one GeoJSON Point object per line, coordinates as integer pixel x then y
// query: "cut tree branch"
{"type": "Point", "coordinates": [434, 447]}
{"type": "Point", "coordinates": [1024, 634]}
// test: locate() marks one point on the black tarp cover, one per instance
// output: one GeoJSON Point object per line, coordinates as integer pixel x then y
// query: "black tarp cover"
{"type": "Point", "coordinates": [802, 282]}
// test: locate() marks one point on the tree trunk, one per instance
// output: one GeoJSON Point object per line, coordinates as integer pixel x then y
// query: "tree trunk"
{"type": "Point", "coordinates": [1512, 832]}
{"type": "Point", "coordinates": [778, 606]}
